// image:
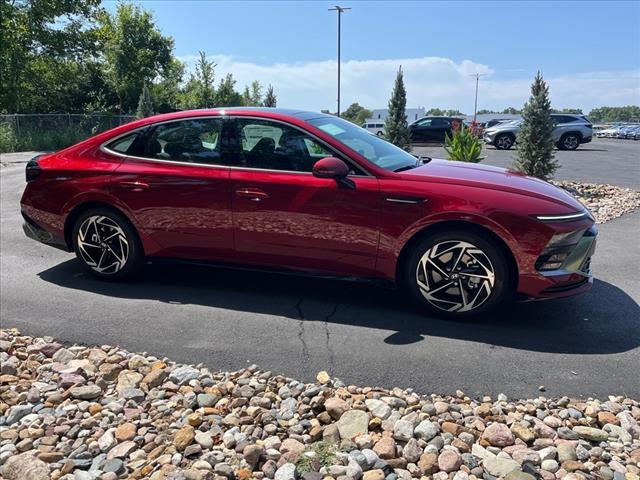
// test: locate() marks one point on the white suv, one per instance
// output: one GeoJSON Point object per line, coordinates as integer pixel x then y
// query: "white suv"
{"type": "Point", "coordinates": [377, 128]}
{"type": "Point", "coordinates": [570, 131]}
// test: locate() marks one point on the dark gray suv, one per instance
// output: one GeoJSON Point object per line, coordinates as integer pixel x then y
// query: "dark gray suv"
{"type": "Point", "coordinates": [570, 131]}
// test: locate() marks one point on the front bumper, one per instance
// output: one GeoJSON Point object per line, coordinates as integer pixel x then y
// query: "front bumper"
{"type": "Point", "coordinates": [572, 277]}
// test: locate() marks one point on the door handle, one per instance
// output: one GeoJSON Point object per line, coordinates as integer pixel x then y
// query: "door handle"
{"type": "Point", "coordinates": [134, 186]}
{"type": "Point", "coordinates": [253, 194]}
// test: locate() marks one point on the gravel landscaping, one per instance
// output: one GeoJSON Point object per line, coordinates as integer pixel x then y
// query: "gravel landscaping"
{"type": "Point", "coordinates": [76, 412]}
{"type": "Point", "coordinates": [605, 202]}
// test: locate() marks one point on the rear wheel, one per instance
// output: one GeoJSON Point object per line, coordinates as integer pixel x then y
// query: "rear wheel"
{"type": "Point", "coordinates": [107, 244]}
{"type": "Point", "coordinates": [457, 274]}
{"type": "Point", "coordinates": [504, 141]}
{"type": "Point", "coordinates": [569, 141]}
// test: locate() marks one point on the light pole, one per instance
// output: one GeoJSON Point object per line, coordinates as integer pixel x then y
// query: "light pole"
{"type": "Point", "coordinates": [475, 108]}
{"type": "Point", "coordinates": [340, 10]}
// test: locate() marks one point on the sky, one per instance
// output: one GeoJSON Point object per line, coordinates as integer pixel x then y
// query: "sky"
{"type": "Point", "coordinates": [588, 51]}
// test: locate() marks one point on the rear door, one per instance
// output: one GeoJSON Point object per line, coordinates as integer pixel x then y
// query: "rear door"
{"type": "Point", "coordinates": [176, 183]}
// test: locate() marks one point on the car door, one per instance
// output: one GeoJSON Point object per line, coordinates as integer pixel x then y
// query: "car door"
{"type": "Point", "coordinates": [440, 127]}
{"type": "Point", "coordinates": [285, 217]}
{"type": "Point", "coordinates": [175, 181]}
{"type": "Point", "coordinates": [421, 130]}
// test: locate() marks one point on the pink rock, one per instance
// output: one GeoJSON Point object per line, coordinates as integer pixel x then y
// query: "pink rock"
{"type": "Point", "coordinates": [449, 461]}
{"type": "Point", "coordinates": [498, 435]}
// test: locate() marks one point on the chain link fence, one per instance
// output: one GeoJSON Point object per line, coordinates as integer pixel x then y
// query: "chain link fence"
{"type": "Point", "coordinates": [53, 131]}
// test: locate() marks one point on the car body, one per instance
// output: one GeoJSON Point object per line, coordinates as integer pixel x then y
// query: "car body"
{"type": "Point", "coordinates": [377, 128]}
{"type": "Point", "coordinates": [308, 193]}
{"type": "Point", "coordinates": [569, 132]}
{"type": "Point", "coordinates": [432, 129]}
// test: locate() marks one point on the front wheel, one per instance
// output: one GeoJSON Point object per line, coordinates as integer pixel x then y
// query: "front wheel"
{"type": "Point", "coordinates": [458, 274]}
{"type": "Point", "coordinates": [504, 141]}
{"type": "Point", "coordinates": [107, 244]}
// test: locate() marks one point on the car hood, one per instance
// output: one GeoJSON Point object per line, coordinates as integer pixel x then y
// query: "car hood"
{"type": "Point", "coordinates": [493, 178]}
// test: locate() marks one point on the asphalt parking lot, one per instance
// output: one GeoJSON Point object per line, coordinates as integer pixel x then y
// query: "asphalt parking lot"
{"type": "Point", "coordinates": [582, 346]}
{"type": "Point", "coordinates": [602, 161]}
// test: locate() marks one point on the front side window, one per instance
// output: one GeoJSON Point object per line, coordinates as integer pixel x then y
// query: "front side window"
{"type": "Point", "coordinates": [275, 146]}
{"type": "Point", "coordinates": [373, 148]}
{"type": "Point", "coordinates": [191, 140]}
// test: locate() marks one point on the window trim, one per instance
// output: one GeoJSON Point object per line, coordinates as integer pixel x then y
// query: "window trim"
{"type": "Point", "coordinates": [340, 155]}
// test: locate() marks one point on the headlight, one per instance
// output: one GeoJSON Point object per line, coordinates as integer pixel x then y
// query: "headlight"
{"type": "Point", "coordinates": [569, 217]}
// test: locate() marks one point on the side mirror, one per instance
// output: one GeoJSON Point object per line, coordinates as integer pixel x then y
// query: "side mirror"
{"type": "Point", "coordinates": [331, 167]}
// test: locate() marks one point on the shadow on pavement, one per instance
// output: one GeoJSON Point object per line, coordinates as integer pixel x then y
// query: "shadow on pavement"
{"type": "Point", "coordinates": [605, 320]}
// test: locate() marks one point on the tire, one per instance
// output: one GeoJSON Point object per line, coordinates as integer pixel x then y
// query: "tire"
{"type": "Point", "coordinates": [504, 141]}
{"type": "Point", "coordinates": [380, 134]}
{"type": "Point", "coordinates": [118, 255]}
{"type": "Point", "coordinates": [484, 285]}
{"type": "Point", "coordinates": [569, 141]}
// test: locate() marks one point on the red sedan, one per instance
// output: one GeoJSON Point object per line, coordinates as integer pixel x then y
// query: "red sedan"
{"type": "Point", "coordinates": [309, 193]}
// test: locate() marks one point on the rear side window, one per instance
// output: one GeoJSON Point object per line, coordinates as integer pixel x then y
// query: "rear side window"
{"type": "Point", "coordinates": [191, 140]}
{"type": "Point", "coordinates": [132, 144]}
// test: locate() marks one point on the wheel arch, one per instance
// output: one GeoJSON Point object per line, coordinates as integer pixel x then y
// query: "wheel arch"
{"type": "Point", "coordinates": [452, 224]}
{"type": "Point", "coordinates": [82, 207]}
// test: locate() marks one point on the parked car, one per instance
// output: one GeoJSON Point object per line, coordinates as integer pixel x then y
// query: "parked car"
{"type": "Point", "coordinates": [377, 128]}
{"type": "Point", "coordinates": [569, 132]}
{"type": "Point", "coordinates": [432, 129]}
{"type": "Point", "coordinates": [308, 193]}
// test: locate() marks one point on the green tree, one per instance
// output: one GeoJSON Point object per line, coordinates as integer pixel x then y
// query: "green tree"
{"type": "Point", "coordinates": [396, 128]}
{"type": "Point", "coordinates": [167, 91]}
{"type": "Point", "coordinates": [628, 113]}
{"type": "Point", "coordinates": [511, 111]}
{"type": "Point", "coordinates": [535, 143]}
{"type": "Point", "coordinates": [252, 97]}
{"type": "Point", "coordinates": [270, 99]}
{"type": "Point", "coordinates": [453, 113]}
{"type": "Point", "coordinates": [145, 104]}
{"type": "Point", "coordinates": [356, 113]}
{"type": "Point", "coordinates": [484, 111]}
{"type": "Point", "coordinates": [135, 52]}
{"type": "Point", "coordinates": [42, 36]}
{"type": "Point", "coordinates": [435, 112]}
{"type": "Point", "coordinates": [205, 92]}
{"type": "Point", "coordinates": [226, 96]}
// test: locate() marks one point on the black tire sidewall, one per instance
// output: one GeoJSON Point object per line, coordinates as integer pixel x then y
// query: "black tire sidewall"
{"type": "Point", "coordinates": [502, 289]}
{"type": "Point", "coordinates": [136, 254]}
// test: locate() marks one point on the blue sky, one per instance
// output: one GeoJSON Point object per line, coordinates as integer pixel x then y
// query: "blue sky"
{"type": "Point", "coordinates": [589, 51]}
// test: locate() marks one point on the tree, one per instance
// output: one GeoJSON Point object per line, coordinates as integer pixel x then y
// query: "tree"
{"type": "Point", "coordinates": [205, 93]}
{"type": "Point", "coordinates": [167, 92]}
{"type": "Point", "coordinates": [135, 52]}
{"type": "Point", "coordinates": [270, 99]}
{"type": "Point", "coordinates": [629, 113]}
{"type": "Point", "coordinates": [43, 36]}
{"type": "Point", "coordinates": [535, 142]}
{"type": "Point", "coordinates": [252, 97]}
{"type": "Point", "coordinates": [226, 96]}
{"type": "Point", "coordinates": [435, 112]}
{"type": "Point", "coordinates": [145, 104]}
{"type": "Point", "coordinates": [511, 111]}
{"type": "Point", "coordinates": [573, 111]}
{"type": "Point", "coordinates": [356, 113]}
{"type": "Point", "coordinates": [396, 128]}
{"type": "Point", "coordinates": [484, 111]}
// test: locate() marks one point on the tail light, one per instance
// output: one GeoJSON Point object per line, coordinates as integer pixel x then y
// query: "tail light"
{"type": "Point", "coordinates": [33, 170]}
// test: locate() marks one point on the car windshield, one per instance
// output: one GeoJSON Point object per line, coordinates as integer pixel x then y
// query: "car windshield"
{"type": "Point", "coordinates": [373, 148]}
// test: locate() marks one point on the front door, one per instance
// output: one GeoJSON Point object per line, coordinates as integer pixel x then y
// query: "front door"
{"type": "Point", "coordinates": [176, 183]}
{"type": "Point", "coordinates": [285, 217]}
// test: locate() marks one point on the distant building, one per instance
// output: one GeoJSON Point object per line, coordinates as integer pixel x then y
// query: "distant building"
{"type": "Point", "coordinates": [381, 114]}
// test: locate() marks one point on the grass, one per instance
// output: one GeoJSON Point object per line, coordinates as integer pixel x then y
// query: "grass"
{"type": "Point", "coordinates": [46, 141]}
{"type": "Point", "coordinates": [325, 455]}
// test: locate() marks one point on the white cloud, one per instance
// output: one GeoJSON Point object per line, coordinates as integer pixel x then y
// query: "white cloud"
{"type": "Point", "coordinates": [430, 82]}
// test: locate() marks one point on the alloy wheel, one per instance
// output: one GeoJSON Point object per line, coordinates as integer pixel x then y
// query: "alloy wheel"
{"type": "Point", "coordinates": [570, 142]}
{"type": "Point", "coordinates": [504, 142]}
{"type": "Point", "coordinates": [455, 276]}
{"type": "Point", "coordinates": [102, 244]}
